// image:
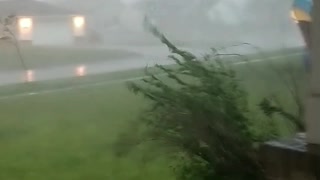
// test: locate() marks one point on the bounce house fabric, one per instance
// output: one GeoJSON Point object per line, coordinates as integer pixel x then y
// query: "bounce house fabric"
{"type": "Point", "coordinates": [302, 10]}
{"type": "Point", "coordinates": [301, 13]}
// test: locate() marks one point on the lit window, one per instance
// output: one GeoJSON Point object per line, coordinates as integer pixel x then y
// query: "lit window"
{"type": "Point", "coordinates": [25, 23]}
{"type": "Point", "coordinates": [78, 22]}
{"type": "Point", "coordinates": [78, 26]}
{"type": "Point", "coordinates": [25, 28]}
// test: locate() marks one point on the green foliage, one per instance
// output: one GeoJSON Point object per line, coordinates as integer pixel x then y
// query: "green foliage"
{"type": "Point", "coordinates": [194, 169]}
{"type": "Point", "coordinates": [292, 79]}
{"type": "Point", "coordinates": [200, 109]}
{"type": "Point", "coordinates": [270, 109]}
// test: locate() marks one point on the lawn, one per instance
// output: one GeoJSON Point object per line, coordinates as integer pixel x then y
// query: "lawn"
{"type": "Point", "coordinates": [69, 134]}
{"type": "Point", "coordinates": [41, 57]}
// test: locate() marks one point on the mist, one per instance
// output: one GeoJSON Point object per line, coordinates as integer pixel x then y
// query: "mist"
{"type": "Point", "coordinates": [264, 23]}
{"type": "Point", "coordinates": [112, 35]}
{"type": "Point", "coordinates": [88, 92]}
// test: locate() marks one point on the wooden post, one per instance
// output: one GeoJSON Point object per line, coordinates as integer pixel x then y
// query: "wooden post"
{"type": "Point", "coordinates": [313, 99]}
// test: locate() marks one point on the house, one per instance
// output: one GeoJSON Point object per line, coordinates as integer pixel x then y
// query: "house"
{"type": "Point", "coordinates": [40, 23]}
{"type": "Point", "coordinates": [101, 15]}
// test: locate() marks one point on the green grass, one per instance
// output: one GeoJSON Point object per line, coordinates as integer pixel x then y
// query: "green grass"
{"type": "Point", "coordinates": [41, 57]}
{"type": "Point", "coordinates": [70, 134]}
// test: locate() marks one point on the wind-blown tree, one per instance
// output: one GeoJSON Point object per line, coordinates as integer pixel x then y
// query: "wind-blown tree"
{"type": "Point", "coordinates": [200, 110]}
{"type": "Point", "coordinates": [225, 21]}
{"type": "Point", "coordinates": [179, 17]}
{"type": "Point", "coordinates": [8, 35]}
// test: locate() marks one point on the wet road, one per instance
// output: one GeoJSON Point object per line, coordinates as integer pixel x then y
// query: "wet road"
{"type": "Point", "coordinates": [150, 56]}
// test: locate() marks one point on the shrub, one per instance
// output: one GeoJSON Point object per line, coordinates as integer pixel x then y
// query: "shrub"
{"type": "Point", "coordinates": [199, 109]}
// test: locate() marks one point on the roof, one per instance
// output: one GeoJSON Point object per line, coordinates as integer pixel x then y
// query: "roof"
{"type": "Point", "coordinates": [30, 8]}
